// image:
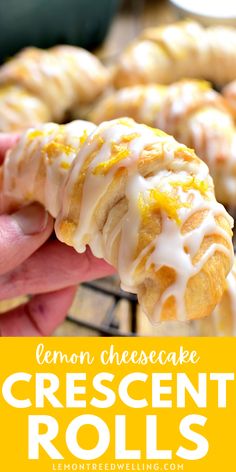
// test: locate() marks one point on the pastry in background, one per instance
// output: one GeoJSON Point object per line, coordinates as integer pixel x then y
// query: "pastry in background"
{"type": "Point", "coordinates": [47, 85]}
{"type": "Point", "coordinates": [184, 49]}
{"type": "Point", "coordinates": [193, 113]}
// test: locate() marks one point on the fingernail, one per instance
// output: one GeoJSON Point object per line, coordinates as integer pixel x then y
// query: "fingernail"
{"type": "Point", "coordinates": [32, 219]}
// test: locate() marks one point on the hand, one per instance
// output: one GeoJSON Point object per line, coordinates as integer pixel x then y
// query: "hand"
{"type": "Point", "coordinates": [30, 263]}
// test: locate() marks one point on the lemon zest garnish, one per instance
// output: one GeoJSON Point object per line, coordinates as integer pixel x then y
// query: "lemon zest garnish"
{"type": "Point", "coordinates": [54, 148]}
{"type": "Point", "coordinates": [129, 137]}
{"type": "Point", "coordinates": [203, 84]}
{"type": "Point", "coordinates": [192, 183]}
{"type": "Point", "coordinates": [36, 133]}
{"type": "Point", "coordinates": [159, 200]}
{"type": "Point", "coordinates": [185, 153]}
{"type": "Point", "coordinates": [65, 165]}
{"type": "Point", "coordinates": [84, 136]}
{"type": "Point", "coordinates": [118, 153]}
{"type": "Point", "coordinates": [100, 141]}
{"type": "Point", "coordinates": [96, 138]}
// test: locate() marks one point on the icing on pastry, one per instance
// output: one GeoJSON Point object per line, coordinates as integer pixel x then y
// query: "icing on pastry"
{"type": "Point", "coordinates": [120, 178]}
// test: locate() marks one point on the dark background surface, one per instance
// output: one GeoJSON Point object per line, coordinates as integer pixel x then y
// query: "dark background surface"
{"type": "Point", "coordinates": [43, 23]}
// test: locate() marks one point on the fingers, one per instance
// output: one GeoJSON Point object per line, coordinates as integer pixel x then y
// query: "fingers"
{"type": "Point", "coordinates": [21, 234]}
{"type": "Point", "coordinates": [7, 141]}
{"type": "Point", "coordinates": [40, 316]}
{"type": "Point", "coordinates": [52, 267]}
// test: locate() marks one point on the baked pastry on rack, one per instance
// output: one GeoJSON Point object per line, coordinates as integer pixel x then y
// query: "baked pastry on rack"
{"type": "Point", "coordinates": [184, 49]}
{"type": "Point", "coordinates": [139, 199]}
{"type": "Point", "coordinates": [193, 113]}
{"type": "Point", "coordinates": [41, 85]}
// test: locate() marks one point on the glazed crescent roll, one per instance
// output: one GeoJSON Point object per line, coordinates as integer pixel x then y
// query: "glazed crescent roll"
{"type": "Point", "coordinates": [168, 53]}
{"type": "Point", "coordinates": [193, 113]}
{"type": "Point", "coordinates": [139, 199]}
{"type": "Point", "coordinates": [41, 85]}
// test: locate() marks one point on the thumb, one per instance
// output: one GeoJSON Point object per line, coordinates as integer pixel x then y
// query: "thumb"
{"type": "Point", "coordinates": [21, 234]}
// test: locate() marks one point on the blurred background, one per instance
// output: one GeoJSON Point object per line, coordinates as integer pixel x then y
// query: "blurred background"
{"type": "Point", "coordinates": [104, 26]}
{"type": "Point", "coordinates": [88, 23]}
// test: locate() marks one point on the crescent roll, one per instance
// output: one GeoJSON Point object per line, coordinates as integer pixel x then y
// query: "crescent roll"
{"type": "Point", "coordinates": [184, 49]}
{"type": "Point", "coordinates": [193, 113]}
{"type": "Point", "coordinates": [41, 85]}
{"type": "Point", "coordinates": [224, 315]}
{"type": "Point", "coordinates": [139, 199]}
{"type": "Point", "coordinates": [229, 92]}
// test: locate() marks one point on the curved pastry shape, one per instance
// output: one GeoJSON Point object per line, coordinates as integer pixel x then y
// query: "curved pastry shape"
{"type": "Point", "coordinates": [185, 49]}
{"type": "Point", "coordinates": [58, 80]}
{"type": "Point", "coordinates": [139, 199]}
{"type": "Point", "coordinates": [141, 102]}
{"type": "Point", "coordinates": [193, 113]}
